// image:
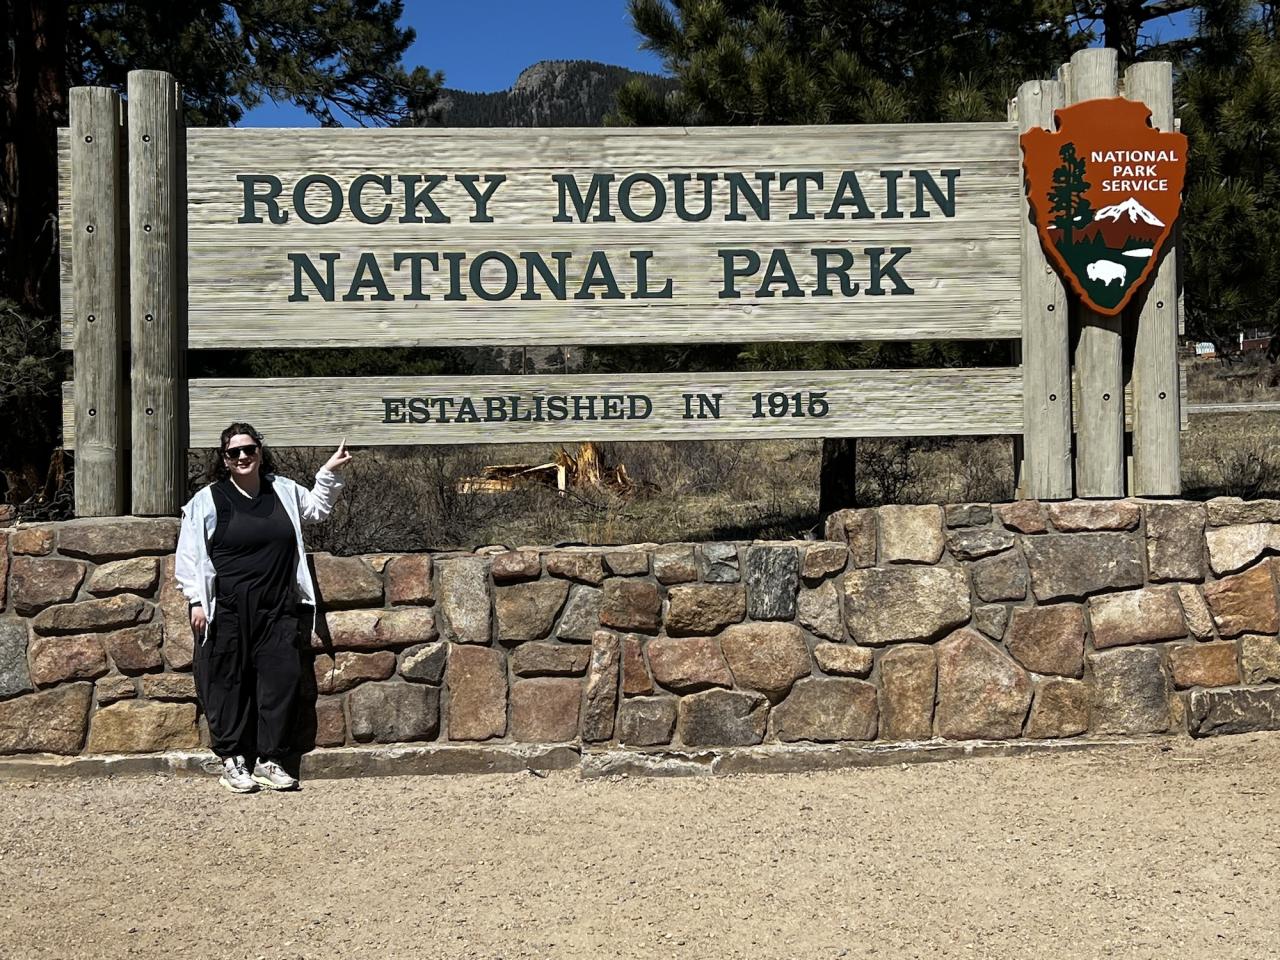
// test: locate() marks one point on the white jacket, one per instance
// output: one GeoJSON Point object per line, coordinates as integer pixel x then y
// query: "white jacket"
{"type": "Point", "coordinates": [194, 570]}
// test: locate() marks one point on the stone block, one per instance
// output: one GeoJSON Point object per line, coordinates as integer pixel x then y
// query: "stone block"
{"type": "Point", "coordinates": [1136, 616]}
{"type": "Point", "coordinates": [974, 544]}
{"type": "Point", "coordinates": [967, 514]}
{"type": "Point", "coordinates": [135, 649]}
{"type": "Point", "coordinates": [1223, 511]}
{"type": "Point", "coordinates": [646, 721]}
{"type": "Point", "coordinates": [404, 626]}
{"type": "Point", "coordinates": [57, 659]}
{"type": "Point", "coordinates": [703, 608]}
{"type": "Point", "coordinates": [1175, 541]}
{"type": "Point", "coordinates": [139, 726]}
{"type": "Point", "coordinates": [514, 565]}
{"type": "Point", "coordinates": [527, 611]}
{"type": "Point", "coordinates": [94, 616]}
{"type": "Point", "coordinates": [39, 582]}
{"type": "Point", "coordinates": [1204, 664]}
{"type": "Point", "coordinates": [15, 675]}
{"type": "Point", "coordinates": [408, 579]}
{"type": "Point", "coordinates": [345, 670]}
{"type": "Point", "coordinates": [545, 710]}
{"type": "Point", "coordinates": [179, 643]}
{"type": "Point", "coordinates": [634, 605]}
{"type": "Point", "coordinates": [818, 611]}
{"type": "Point", "coordinates": [899, 604]}
{"type": "Point", "coordinates": [982, 693]}
{"type": "Point", "coordinates": [347, 630]}
{"type": "Point", "coordinates": [857, 528]}
{"type": "Point", "coordinates": [1238, 710]}
{"type": "Point", "coordinates": [636, 678]}
{"type": "Point", "coordinates": [824, 558]}
{"type": "Point", "coordinates": [991, 619]}
{"type": "Point", "coordinates": [331, 723]}
{"type": "Point", "coordinates": [394, 712]}
{"type": "Point", "coordinates": [581, 617]}
{"type": "Point", "coordinates": [627, 563]}
{"type": "Point", "coordinates": [1195, 611]}
{"type": "Point", "coordinates": [1260, 658]}
{"type": "Point", "coordinates": [843, 659]}
{"type": "Point", "coordinates": [675, 563]}
{"type": "Point", "coordinates": [1024, 516]}
{"type": "Point", "coordinates": [52, 721]}
{"type": "Point", "coordinates": [581, 567]}
{"type": "Point", "coordinates": [722, 718]}
{"type": "Point", "coordinates": [136, 575]}
{"type": "Point", "coordinates": [111, 538]}
{"type": "Point", "coordinates": [908, 684]}
{"type": "Point", "coordinates": [773, 577]}
{"type": "Point", "coordinates": [766, 657]}
{"type": "Point", "coordinates": [1070, 566]}
{"type": "Point", "coordinates": [1244, 602]}
{"type": "Point", "coordinates": [1060, 709]}
{"type": "Point", "coordinates": [1049, 640]}
{"type": "Point", "coordinates": [1233, 548]}
{"type": "Point", "coordinates": [1075, 516]}
{"type": "Point", "coordinates": [600, 697]}
{"type": "Point", "coordinates": [425, 663]}
{"type": "Point", "coordinates": [34, 541]}
{"type": "Point", "coordinates": [540, 659]}
{"type": "Point", "coordinates": [114, 687]}
{"type": "Point", "coordinates": [1000, 578]}
{"type": "Point", "coordinates": [1131, 691]}
{"type": "Point", "coordinates": [169, 686]}
{"type": "Point", "coordinates": [688, 664]}
{"type": "Point", "coordinates": [910, 534]}
{"type": "Point", "coordinates": [464, 599]}
{"type": "Point", "coordinates": [4, 566]}
{"type": "Point", "coordinates": [343, 582]}
{"type": "Point", "coordinates": [827, 709]}
{"type": "Point", "coordinates": [477, 682]}
{"type": "Point", "coordinates": [720, 563]}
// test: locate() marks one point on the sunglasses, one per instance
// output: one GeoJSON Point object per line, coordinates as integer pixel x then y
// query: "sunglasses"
{"type": "Point", "coordinates": [249, 450]}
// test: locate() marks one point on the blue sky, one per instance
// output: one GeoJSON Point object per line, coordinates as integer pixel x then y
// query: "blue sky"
{"type": "Point", "coordinates": [482, 45]}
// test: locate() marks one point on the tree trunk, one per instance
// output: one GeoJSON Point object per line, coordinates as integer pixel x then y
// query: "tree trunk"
{"type": "Point", "coordinates": [837, 474]}
{"type": "Point", "coordinates": [32, 105]}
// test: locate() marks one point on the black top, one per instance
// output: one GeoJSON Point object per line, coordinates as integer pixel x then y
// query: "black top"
{"type": "Point", "coordinates": [254, 549]}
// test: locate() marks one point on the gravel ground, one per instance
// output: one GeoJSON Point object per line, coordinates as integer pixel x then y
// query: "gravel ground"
{"type": "Point", "coordinates": [1166, 849]}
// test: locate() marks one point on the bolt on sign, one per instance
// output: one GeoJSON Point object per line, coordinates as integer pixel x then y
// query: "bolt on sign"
{"type": "Point", "coordinates": [1105, 189]}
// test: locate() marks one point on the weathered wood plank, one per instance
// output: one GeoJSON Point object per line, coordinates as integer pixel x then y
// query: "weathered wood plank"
{"type": "Point", "coordinates": [155, 244]}
{"type": "Point", "coordinates": [1046, 352]}
{"type": "Point", "coordinates": [97, 206]}
{"type": "Point", "coordinates": [1156, 441]}
{"type": "Point", "coordinates": [1100, 463]}
{"type": "Point", "coordinates": [863, 403]}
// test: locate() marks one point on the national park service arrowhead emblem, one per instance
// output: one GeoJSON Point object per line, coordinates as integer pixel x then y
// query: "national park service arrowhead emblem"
{"type": "Point", "coordinates": [1105, 190]}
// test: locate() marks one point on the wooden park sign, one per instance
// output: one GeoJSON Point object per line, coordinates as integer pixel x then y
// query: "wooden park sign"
{"type": "Point", "coordinates": [243, 239]}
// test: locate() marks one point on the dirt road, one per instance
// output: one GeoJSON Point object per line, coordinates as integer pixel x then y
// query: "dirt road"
{"type": "Point", "coordinates": [1154, 851]}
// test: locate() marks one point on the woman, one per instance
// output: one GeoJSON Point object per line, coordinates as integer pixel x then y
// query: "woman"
{"type": "Point", "coordinates": [243, 568]}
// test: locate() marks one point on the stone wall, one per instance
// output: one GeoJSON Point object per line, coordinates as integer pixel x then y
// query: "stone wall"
{"type": "Point", "coordinates": [1022, 620]}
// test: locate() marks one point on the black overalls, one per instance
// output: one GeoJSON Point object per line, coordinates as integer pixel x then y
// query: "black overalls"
{"type": "Point", "coordinates": [248, 667]}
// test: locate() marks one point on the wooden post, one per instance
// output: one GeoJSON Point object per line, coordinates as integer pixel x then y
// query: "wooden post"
{"type": "Point", "coordinates": [1046, 360]}
{"type": "Point", "coordinates": [155, 247]}
{"type": "Point", "coordinates": [97, 205]}
{"type": "Point", "coordinates": [1098, 359]}
{"type": "Point", "coordinates": [1156, 441]}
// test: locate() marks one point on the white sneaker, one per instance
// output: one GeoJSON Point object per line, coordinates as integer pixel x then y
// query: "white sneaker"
{"type": "Point", "coordinates": [235, 776]}
{"type": "Point", "coordinates": [272, 776]}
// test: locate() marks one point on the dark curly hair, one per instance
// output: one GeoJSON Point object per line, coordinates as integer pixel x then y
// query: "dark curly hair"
{"type": "Point", "coordinates": [218, 465]}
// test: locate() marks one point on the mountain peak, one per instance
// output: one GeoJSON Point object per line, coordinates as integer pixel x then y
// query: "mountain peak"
{"type": "Point", "coordinates": [1131, 208]}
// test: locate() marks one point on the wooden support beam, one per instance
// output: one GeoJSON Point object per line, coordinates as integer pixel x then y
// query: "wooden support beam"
{"type": "Point", "coordinates": [156, 247]}
{"type": "Point", "coordinates": [98, 294]}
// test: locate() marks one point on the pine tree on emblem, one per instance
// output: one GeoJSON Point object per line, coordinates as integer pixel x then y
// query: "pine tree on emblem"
{"type": "Point", "coordinates": [1069, 202]}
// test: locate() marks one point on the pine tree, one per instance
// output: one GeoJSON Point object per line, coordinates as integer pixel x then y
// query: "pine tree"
{"type": "Point", "coordinates": [1069, 186]}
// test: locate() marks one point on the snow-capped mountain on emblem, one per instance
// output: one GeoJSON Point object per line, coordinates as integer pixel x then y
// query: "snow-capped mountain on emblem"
{"type": "Point", "coordinates": [1133, 208]}
{"type": "Point", "coordinates": [1105, 190]}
